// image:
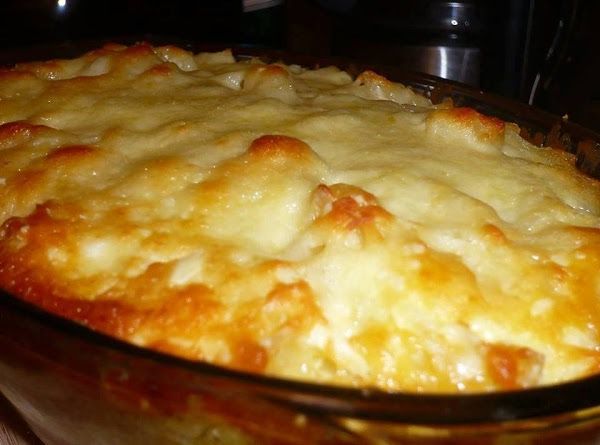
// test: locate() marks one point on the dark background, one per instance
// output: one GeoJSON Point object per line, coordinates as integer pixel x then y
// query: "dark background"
{"type": "Point", "coordinates": [514, 41]}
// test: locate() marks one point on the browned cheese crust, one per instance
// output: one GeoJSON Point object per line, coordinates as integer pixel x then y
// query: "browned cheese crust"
{"type": "Point", "coordinates": [296, 222]}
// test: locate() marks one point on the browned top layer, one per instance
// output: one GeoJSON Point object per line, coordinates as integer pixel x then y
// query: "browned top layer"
{"type": "Point", "coordinates": [296, 222]}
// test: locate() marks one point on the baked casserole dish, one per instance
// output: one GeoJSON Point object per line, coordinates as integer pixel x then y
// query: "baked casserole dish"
{"type": "Point", "coordinates": [294, 229]}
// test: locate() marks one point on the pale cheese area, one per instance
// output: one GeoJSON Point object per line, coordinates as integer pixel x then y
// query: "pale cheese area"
{"type": "Point", "coordinates": [296, 222]}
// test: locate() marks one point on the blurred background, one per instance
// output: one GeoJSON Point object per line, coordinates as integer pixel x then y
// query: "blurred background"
{"type": "Point", "coordinates": [538, 51]}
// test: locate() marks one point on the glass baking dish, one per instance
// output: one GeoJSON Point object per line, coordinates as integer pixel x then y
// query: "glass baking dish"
{"type": "Point", "coordinates": [76, 386]}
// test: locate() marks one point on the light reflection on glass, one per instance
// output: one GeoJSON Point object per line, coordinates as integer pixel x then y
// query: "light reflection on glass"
{"type": "Point", "coordinates": [443, 63]}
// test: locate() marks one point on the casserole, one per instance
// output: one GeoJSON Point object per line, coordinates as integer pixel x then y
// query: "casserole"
{"type": "Point", "coordinates": [190, 401]}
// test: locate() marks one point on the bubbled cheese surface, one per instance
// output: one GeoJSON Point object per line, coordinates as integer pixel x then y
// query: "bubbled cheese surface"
{"type": "Point", "coordinates": [295, 222]}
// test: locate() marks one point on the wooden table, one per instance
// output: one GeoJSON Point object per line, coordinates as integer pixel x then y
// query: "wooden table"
{"type": "Point", "coordinates": [13, 429]}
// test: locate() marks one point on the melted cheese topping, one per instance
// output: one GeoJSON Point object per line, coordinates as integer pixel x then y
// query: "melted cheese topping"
{"type": "Point", "coordinates": [296, 222]}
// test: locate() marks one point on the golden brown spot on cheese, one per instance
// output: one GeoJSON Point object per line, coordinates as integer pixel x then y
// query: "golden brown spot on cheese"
{"type": "Point", "coordinates": [29, 182]}
{"type": "Point", "coordinates": [162, 70]}
{"type": "Point", "coordinates": [439, 271]}
{"type": "Point", "coordinates": [371, 77]}
{"type": "Point", "coordinates": [13, 133]}
{"type": "Point", "coordinates": [112, 47]}
{"type": "Point", "coordinates": [266, 74]}
{"type": "Point", "coordinates": [70, 153]}
{"type": "Point", "coordinates": [15, 75]}
{"type": "Point", "coordinates": [280, 148]}
{"type": "Point", "coordinates": [513, 367]}
{"type": "Point", "coordinates": [249, 356]}
{"type": "Point", "coordinates": [349, 214]}
{"type": "Point", "coordinates": [373, 86]}
{"type": "Point", "coordinates": [134, 52]}
{"type": "Point", "coordinates": [274, 70]}
{"type": "Point", "coordinates": [173, 51]}
{"type": "Point", "coordinates": [494, 234]}
{"type": "Point", "coordinates": [341, 190]}
{"type": "Point", "coordinates": [24, 270]}
{"type": "Point", "coordinates": [322, 198]}
{"type": "Point", "coordinates": [468, 123]}
{"type": "Point", "coordinates": [345, 208]}
{"type": "Point", "coordinates": [488, 125]}
{"type": "Point", "coordinates": [584, 233]}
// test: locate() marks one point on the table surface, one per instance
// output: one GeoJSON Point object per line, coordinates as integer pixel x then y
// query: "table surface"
{"type": "Point", "coordinates": [13, 429]}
